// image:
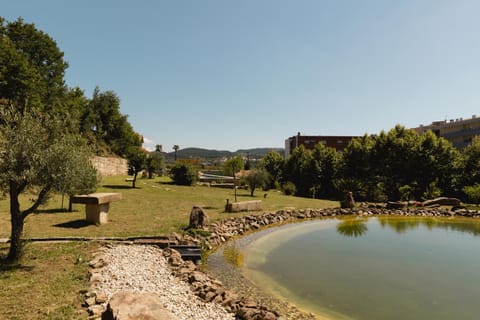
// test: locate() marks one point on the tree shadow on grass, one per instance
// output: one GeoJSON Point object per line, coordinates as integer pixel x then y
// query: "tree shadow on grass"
{"type": "Point", "coordinates": [51, 211]}
{"type": "Point", "coordinates": [75, 224]}
{"type": "Point", "coordinates": [210, 208]}
{"type": "Point", "coordinates": [117, 186]}
{"type": "Point", "coordinates": [165, 182]}
{"type": "Point", "coordinates": [246, 195]}
{"type": "Point", "coordinates": [6, 266]}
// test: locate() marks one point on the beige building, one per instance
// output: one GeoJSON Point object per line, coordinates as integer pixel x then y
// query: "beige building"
{"type": "Point", "coordinates": [459, 132]}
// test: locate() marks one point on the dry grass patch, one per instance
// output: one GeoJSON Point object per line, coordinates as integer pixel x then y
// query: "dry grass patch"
{"type": "Point", "coordinates": [48, 283]}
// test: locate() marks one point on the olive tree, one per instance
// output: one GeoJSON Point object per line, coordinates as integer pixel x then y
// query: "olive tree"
{"type": "Point", "coordinates": [256, 179]}
{"type": "Point", "coordinates": [137, 160]}
{"type": "Point", "coordinates": [232, 166]}
{"type": "Point", "coordinates": [36, 159]}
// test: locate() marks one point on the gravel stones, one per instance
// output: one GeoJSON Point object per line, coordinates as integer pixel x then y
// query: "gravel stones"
{"type": "Point", "coordinates": [143, 269]}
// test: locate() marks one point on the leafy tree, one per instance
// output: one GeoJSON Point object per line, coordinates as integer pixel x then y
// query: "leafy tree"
{"type": "Point", "coordinates": [355, 169]}
{"type": "Point", "coordinates": [175, 148]}
{"type": "Point", "coordinates": [31, 68]}
{"type": "Point", "coordinates": [327, 160]}
{"type": "Point", "coordinates": [34, 151]}
{"type": "Point", "coordinates": [470, 163]}
{"type": "Point", "coordinates": [301, 170]}
{"type": "Point", "coordinates": [247, 165]}
{"type": "Point", "coordinates": [154, 163]}
{"type": "Point", "coordinates": [436, 168]}
{"type": "Point", "coordinates": [273, 164]}
{"type": "Point", "coordinates": [75, 104]}
{"type": "Point", "coordinates": [137, 159]}
{"type": "Point", "coordinates": [255, 179]}
{"type": "Point", "coordinates": [104, 125]}
{"type": "Point", "coordinates": [399, 163]}
{"type": "Point", "coordinates": [38, 121]}
{"type": "Point", "coordinates": [232, 166]}
{"type": "Point", "coordinates": [183, 174]}
{"type": "Point", "coordinates": [75, 172]}
{"type": "Point", "coordinates": [393, 159]}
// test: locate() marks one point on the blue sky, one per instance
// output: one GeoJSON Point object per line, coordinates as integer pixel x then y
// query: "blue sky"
{"type": "Point", "coordinates": [240, 74]}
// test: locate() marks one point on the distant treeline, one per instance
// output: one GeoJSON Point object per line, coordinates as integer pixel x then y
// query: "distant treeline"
{"type": "Point", "coordinates": [394, 165]}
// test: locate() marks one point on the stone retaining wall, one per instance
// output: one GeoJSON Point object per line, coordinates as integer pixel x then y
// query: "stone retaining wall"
{"type": "Point", "coordinates": [110, 166]}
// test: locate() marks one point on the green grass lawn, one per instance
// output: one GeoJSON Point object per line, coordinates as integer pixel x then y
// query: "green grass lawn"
{"type": "Point", "coordinates": [155, 207]}
{"type": "Point", "coordinates": [49, 281]}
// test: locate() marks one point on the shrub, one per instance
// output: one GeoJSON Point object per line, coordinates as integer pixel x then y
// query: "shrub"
{"type": "Point", "coordinates": [406, 192]}
{"type": "Point", "coordinates": [183, 174]}
{"type": "Point", "coordinates": [432, 192]}
{"type": "Point", "coordinates": [473, 193]}
{"type": "Point", "coordinates": [289, 188]}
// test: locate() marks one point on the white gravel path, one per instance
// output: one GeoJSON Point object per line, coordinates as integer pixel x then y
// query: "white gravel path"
{"type": "Point", "coordinates": [144, 269]}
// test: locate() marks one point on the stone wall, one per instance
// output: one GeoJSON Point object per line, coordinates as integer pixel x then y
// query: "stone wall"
{"type": "Point", "coordinates": [110, 166]}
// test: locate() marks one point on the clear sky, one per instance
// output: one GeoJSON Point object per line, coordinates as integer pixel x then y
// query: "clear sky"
{"type": "Point", "coordinates": [240, 74]}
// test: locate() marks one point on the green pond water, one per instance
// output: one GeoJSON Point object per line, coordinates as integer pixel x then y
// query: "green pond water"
{"type": "Point", "coordinates": [376, 268]}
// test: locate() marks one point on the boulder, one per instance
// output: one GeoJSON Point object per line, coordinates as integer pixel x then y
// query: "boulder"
{"type": "Point", "coordinates": [348, 202]}
{"type": "Point", "coordinates": [127, 305]}
{"type": "Point", "coordinates": [198, 218]}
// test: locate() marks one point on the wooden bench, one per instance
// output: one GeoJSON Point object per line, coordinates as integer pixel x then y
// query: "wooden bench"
{"type": "Point", "coordinates": [97, 205]}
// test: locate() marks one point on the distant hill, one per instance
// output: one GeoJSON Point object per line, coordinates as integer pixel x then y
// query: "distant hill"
{"type": "Point", "coordinates": [206, 154]}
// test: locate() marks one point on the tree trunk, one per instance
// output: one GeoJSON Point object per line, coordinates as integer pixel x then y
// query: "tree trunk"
{"type": "Point", "coordinates": [134, 179]}
{"type": "Point", "coordinates": [17, 220]}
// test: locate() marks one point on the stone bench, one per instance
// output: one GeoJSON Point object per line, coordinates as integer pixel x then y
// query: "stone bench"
{"type": "Point", "coordinates": [252, 205]}
{"type": "Point", "coordinates": [97, 205]}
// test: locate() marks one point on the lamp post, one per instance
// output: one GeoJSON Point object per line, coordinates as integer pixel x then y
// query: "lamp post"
{"type": "Point", "coordinates": [234, 183]}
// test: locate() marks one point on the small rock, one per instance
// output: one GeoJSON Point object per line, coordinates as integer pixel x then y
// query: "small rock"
{"type": "Point", "coordinates": [95, 310]}
{"type": "Point", "coordinates": [90, 301]}
{"type": "Point", "coordinates": [101, 298]}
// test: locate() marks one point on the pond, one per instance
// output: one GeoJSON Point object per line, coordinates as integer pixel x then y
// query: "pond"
{"type": "Point", "coordinates": [375, 268]}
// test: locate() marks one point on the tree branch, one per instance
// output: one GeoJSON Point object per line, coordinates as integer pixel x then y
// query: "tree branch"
{"type": "Point", "coordinates": [41, 198]}
{"type": "Point", "coordinates": [22, 187]}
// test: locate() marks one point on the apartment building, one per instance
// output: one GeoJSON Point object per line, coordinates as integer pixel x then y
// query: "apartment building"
{"type": "Point", "coordinates": [459, 132]}
{"type": "Point", "coordinates": [309, 142]}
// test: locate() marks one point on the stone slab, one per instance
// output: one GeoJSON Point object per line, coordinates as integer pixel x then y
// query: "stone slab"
{"type": "Point", "coordinates": [97, 198]}
{"type": "Point", "coordinates": [252, 205]}
{"type": "Point", "coordinates": [127, 305]}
